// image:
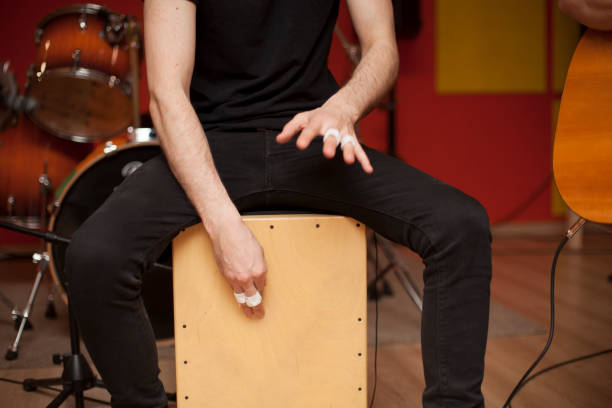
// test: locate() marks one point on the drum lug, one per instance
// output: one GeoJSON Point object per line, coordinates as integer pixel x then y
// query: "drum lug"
{"type": "Point", "coordinates": [109, 147]}
{"type": "Point", "coordinates": [115, 30]}
{"type": "Point", "coordinates": [76, 58]}
{"type": "Point", "coordinates": [38, 33]}
{"type": "Point", "coordinates": [83, 21]}
{"type": "Point", "coordinates": [53, 208]}
{"type": "Point", "coordinates": [113, 81]}
{"type": "Point", "coordinates": [10, 205]}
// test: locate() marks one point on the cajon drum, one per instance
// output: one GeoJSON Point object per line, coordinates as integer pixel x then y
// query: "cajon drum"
{"type": "Point", "coordinates": [310, 348]}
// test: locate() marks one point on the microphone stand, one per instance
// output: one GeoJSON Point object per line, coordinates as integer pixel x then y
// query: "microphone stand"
{"type": "Point", "coordinates": [77, 375]}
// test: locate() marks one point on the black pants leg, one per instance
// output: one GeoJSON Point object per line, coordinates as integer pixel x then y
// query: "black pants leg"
{"type": "Point", "coordinates": [111, 252]}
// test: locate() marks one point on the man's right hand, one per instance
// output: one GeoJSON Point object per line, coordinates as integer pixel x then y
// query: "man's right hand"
{"type": "Point", "coordinates": [241, 261]}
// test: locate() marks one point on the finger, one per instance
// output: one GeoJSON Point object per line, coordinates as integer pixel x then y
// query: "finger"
{"type": "Point", "coordinates": [296, 124]}
{"type": "Point", "coordinates": [248, 311]}
{"type": "Point", "coordinates": [330, 145]}
{"type": "Point", "coordinates": [363, 159]}
{"type": "Point", "coordinates": [308, 133]}
{"type": "Point", "coordinates": [249, 289]}
{"type": "Point", "coordinates": [348, 150]}
{"type": "Point", "coordinates": [260, 283]}
{"type": "Point", "coordinates": [236, 287]}
{"type": "Point", "coordinates": [257, 311]}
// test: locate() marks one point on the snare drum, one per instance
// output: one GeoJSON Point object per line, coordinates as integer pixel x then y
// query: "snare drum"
{"type": "Point", "coordinates": [80, 76]}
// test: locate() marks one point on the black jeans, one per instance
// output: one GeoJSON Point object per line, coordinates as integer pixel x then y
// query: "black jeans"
{"type": "Point", "coordinates": [113, 249]}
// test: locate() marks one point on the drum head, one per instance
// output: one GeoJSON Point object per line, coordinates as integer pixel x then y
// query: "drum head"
{"type": "Point", "coordinates": [81, 105]}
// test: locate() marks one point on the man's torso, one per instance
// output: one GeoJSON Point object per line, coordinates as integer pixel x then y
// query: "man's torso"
{"type": "Point", "coordinates": [259, 62]}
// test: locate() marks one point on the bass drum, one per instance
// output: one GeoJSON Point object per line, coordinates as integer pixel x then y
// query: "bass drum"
{"type": "Point", "coordinates": [93, 180]}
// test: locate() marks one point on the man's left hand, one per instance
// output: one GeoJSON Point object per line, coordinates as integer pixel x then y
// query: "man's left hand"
{"type": "Point", "coordinates": [322, 121]}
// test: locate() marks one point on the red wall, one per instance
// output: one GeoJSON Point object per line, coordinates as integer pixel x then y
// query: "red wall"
{"type": "Point", "coordinates": [494, 147]}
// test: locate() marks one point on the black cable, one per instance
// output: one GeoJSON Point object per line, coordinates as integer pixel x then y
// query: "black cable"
{"type": "Point", "coordinates": [531, 198]}
{"type": "Point", "coordinates": [376, 326]}
{"type": "Point", "coordinates": [8, 380]}
{"type": "Point", "coordinates": [552, 367]}
{"type": "Point", "coordinates": [551, 332]}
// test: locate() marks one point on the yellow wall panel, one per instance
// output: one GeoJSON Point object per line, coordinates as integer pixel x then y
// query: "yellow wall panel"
{"type": "Point", "coordinates": [566, 33]}
{"type": "Point", "coordinates": [491, 46]}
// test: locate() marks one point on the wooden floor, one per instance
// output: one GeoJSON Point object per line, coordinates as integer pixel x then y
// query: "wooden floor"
{"type": "Point", "coordinates": [520, 281]}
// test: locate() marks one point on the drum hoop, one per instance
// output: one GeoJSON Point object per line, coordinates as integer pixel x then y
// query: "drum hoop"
{"type": "Point", "coordinates": [57, 203]}
{"type": "Point", "coordinates": [83, 73]}
{"type": "Point", "coordinates": [87, 8]}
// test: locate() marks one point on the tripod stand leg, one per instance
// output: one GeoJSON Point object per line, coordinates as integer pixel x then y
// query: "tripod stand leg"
{"type": "Point", "coordinates": [79, 401]}
{"type": "Point", "coordinates": [11, 353]}
{"type": "Point", "coordinates": [372, 285]}
{"type": "Point", "coordinates": [409, 287]}
{"type": "Point", "coordinates": [62, 396]}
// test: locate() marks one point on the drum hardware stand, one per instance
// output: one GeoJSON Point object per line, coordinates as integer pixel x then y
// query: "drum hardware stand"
{"type": "Point", "coordinates": [77, 375]}
{"type": "Point", "coordinates": [45, 192]}
{"type": "Point", "coordinates": [11, 103]}
{"type": "Point", "coordinates": [42, 259]}
{"type": "Point", "coordinates": [401, 273]}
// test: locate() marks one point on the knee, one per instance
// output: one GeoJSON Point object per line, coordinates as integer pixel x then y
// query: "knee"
{"type": "Point", "coordinates": [95, 267]}
{"type": "Point", "coordinates": [473, 220]}
{"type": "Point", "coordinates": [464, 222]}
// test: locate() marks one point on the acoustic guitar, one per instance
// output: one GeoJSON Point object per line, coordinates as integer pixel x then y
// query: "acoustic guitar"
{"type": "Point", "coordinates": [582, 155]}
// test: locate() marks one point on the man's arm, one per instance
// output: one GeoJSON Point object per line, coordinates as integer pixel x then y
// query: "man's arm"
{"type": "Point", "coordinates": [372, 79]}
{"type": "Point", "coordinates": [169, 49]}
{"type": "Point", "coordinates": [595, 14]}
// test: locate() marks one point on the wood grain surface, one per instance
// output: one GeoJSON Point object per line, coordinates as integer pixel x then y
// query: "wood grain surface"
{"type": "Point", "coordinates": [310, 350]}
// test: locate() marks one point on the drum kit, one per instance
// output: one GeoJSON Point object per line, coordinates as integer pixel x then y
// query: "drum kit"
{"type": "Point", "coordinates": [82, 89]}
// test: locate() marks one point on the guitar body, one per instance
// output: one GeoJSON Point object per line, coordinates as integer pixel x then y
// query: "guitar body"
{"type": "Point", "coordinates": [582, 156]}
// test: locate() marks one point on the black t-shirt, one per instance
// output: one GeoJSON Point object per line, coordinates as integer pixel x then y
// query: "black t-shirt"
{"type": "Point", "coordinates": [259, 62]}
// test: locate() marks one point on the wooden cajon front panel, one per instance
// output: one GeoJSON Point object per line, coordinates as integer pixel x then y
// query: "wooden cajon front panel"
{"type": "Point", "coordinates": [310, 348]}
